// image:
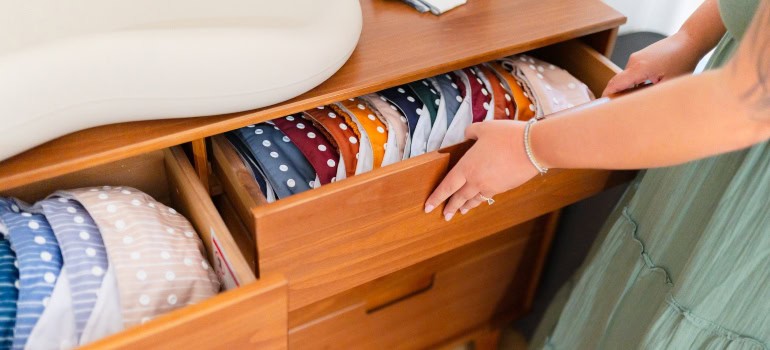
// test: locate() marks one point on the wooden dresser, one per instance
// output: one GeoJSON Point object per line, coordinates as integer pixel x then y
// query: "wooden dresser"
{"type": "Point", "coordinates": [354, 264]}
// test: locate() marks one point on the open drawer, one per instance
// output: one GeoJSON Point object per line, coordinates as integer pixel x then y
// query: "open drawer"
{"type": "Point", "coordinates": [328, 240]}
{"type": "Point", "coordinates": [251, 314]}
{"type": "Point", "coordinates": [431, 302]}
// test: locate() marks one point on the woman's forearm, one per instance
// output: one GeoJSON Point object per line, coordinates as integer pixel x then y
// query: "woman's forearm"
{"type": "Point", "coordinates": [703, 29]}
{"type": "Point", "coordinates": [686, 119]}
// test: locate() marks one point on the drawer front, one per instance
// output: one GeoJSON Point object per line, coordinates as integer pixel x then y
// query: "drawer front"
{"type": "Point", "coordinates": [250, 317]}
{"type": "Point", "coordinates": [468, 287]}
{"type": "Point", "coordinates": [342, 235]}
{"type": "Point", "coordinates": [252, 314]}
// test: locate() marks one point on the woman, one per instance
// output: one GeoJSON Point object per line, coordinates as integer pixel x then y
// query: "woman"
{"type": "Point", "coordinates": [684, 262]}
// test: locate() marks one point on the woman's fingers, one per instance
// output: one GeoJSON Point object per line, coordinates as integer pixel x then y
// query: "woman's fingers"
{"type": "Point", "coordinates": [472, 131]}
{"type": "Point", "coordinates": [453, 181]}
{"type": "Point", "coordinates": [470, 204]}
{"type": "Point", "coordinates": [458, 199]}
{"type": "Point", "coordinates": [624, 81]}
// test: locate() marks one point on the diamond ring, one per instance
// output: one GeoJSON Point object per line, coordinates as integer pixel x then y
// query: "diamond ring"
{"type": "Point", "coordinates": [489, 200]}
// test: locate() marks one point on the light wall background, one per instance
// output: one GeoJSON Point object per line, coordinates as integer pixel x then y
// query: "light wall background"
{"type": "Point", "coordinates": [660, 16]}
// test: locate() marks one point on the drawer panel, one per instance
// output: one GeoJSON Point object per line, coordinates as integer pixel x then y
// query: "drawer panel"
{"type": "Point", "coordinates": [250, 317]}
{"type": "Point", "coordinates": [344, 234]}
{"type": "Point", "coordinates": [251, 313]}
{"type": "Point", "coordinates": [469, 286]}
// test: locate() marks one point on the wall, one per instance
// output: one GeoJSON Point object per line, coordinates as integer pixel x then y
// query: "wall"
{"type": "Point", "coordinates": [660, 16]}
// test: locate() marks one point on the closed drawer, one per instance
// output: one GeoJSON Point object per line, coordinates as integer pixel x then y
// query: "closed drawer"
{"type": "Point", "coordinates": [344, 234]}
{"type": "Point", "coordinates": [251, 314]}
{"type": "Point", "coordinates": [439, 299]}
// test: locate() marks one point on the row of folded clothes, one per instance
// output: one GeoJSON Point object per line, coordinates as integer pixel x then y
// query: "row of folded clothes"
{"type": "Point", "coordinates": [84, 264]}
{"type": "Point", "coordinates": [329, 143]}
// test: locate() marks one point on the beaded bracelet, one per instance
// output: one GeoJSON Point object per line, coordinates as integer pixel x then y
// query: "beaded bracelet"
{"type": "Point", "coordinates": [528, 148]}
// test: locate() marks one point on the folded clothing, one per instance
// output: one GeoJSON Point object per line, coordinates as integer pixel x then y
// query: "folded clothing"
{"type": "Point", "coordinates": [92, 262]}
{"type": "Point", "coordinates": [354, 136]}
{"type": "Point", "coordinates": [551, 88]}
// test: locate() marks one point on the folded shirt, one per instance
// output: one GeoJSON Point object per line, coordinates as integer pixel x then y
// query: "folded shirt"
{"type": "Point", "coordinates": [313, 144]}
{"type": "Point", "coordinates": [551, 88]}
{"type": "Point", "coordinates": [465, 114]}
{"type": "Point", "coordinates": [439, 127]}
{"type": "Point", "coordinates": [406, 101]}
{"type": "Point", "coordinates": [524, 108]}
{"type": "Point", "coordinates": [369, 124]}
{"type": "Point", "coordinates": [159, 260]}
{"type": "Point", "coordinates": [398, 130]}
{"type": "Point", "coordinates": [85, 263]}
{"type": "Point", "coordinates": [40, 264]}
{"type": "Point", "coordinates": [9, 293]}
{"type": "Point", "coordinates": [338, 133]}
{"type": "Point", "coordinates": [285, 168]}
{"type": "Point", "coordinates": [365, 155]}
{"type": "Point", "coordinates": [501, 99]}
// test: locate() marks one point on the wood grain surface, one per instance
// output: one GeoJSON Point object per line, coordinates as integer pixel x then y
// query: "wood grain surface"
{"type": "Point", "coordinates": [397, 45]}
{"type": "Point", "coordinates": [251, 317]}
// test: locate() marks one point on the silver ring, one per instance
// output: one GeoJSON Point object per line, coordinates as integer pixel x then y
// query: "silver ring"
{"type": "Point", "coordinates": [489, 200]}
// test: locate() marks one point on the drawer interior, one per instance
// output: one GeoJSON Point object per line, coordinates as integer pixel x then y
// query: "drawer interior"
{"type": "Point", "coordinates": [168, 177]}
{"type": "Point", "coordinates": [236, 317]}
{"type": "Point", "coordinates": [347, 233]}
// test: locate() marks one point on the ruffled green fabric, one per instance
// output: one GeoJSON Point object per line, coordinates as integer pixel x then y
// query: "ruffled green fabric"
{"type": "Point", "coordinates": [683, 263]}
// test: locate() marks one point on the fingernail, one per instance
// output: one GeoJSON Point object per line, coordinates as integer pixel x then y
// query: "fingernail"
{"type": "Point", "coordinates": [463, 211]}
{"type": "Point", "coordinates": [429, 208]}
{"type": "Point", "coordinates": [448, 217]}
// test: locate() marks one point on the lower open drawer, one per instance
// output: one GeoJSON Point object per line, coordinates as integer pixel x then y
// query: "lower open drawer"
{"type": "Point", "coordinates": [328, 240]}
{"type": "Point", "coordinates": [252, 314]}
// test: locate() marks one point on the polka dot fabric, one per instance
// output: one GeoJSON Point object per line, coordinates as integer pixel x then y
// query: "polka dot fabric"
{"type": "Point", "coordinates": [313, 145]}
{"type": "Point", "coordinates": [503, 107]}
{"type": "Point", "coordinates": [451, 95]}
{"type": "Point", "coordinates": [158, 259]}
{"type": "Point", "coordinates": [426, 115]}
{"type": "Point", "coordinates": [285, 168]}
{"type": "Point", "coordinates": [429, 97]}
{"type": "Point", "coordinates": [9, 277]}
{"type": "Point", "coordinates": [368, 122]}
{"type": "Point", "coordinates": [455, 132]}
{"type": "Point", "coordinates": [480, 97]}
{"type": "Point", "coordinates": [39, 261]}
{"type": "Point", "coordinates": [525, 108]}
{"type": "Point", "coordinates": [342, 135]}
{"type": "Point", "coordinates": [403, 99]}
{"type": "Point", "coordinates": [553, 89]}
{"type": "Point", "coordinates": [83, 252]}
{"type": "Point", "coordinates": [398, 128]}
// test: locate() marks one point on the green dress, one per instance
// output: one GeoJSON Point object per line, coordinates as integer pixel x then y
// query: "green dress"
{"type": "Point", "coordinates": [684, 262]}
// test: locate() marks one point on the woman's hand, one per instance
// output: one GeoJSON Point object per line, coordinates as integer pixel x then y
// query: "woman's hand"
{"type": "Point", "coordinates": [669, 58]}
{"type": "Point", "coordinates": [497, 162]}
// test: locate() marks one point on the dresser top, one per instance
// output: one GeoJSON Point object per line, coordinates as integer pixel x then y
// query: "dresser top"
{"type": "Point", "coordinates": [397, 45]}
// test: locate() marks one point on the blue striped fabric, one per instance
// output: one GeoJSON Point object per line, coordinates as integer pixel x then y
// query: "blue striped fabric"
{"type": "Point", "coordinates": [82, 248]}
{"type": "Point", "coordinates": [9, 294]}
{"type": "Point", "coordinates": [40, 262]}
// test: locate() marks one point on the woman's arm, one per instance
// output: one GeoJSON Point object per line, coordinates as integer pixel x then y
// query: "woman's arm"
{"type": "Point", "coordinates": [689, 118]}
{"type": "Point", "coordinates": [676, 55]}
{"type": "Point", "coordinates": [673, 123]}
